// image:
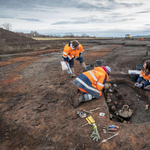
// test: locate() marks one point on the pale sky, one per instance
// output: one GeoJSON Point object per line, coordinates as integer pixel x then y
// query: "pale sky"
{"type": "Point", "coordinates": [102, 18]}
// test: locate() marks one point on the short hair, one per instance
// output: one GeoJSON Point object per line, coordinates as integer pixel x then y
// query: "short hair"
{"type": "Point", "coordinates": [75, 43]}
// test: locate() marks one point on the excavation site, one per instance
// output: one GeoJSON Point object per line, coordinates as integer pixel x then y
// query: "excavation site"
{"type": "Point", "coordinates": [37, 96]}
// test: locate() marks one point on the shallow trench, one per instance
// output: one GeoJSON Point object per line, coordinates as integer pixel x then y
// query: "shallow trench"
{"type": "Point", "coordinates": [123, 92]}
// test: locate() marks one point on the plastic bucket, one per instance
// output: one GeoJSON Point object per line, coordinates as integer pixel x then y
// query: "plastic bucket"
{"type": "Point", "coordinates": [99, 62]}
{"type": "Point", "coordinates": [134, 77]}
{"type": "Point", "coordinates": [90, 67]}
{"type": "Point", "coordinates": [139, 67]}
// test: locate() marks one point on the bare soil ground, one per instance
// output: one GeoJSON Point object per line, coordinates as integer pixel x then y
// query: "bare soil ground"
{"type": "Point", "coordinates": [36, 99]}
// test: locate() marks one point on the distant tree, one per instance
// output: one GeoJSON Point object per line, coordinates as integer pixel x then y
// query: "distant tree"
{"type": "Point", "coordinates": [85, 35]}
{"type": "Point", "coordinates": [70, 35]}
{"type": "Point", "coordinates": [34, 34]}
{"type": "Point", "coordinates": [7, 26]}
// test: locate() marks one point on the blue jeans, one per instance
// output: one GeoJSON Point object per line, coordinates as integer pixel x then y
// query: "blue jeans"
{"type": "Point", "coordinates": [71, 62]}
{"type": "Point", "coordinates": [80, 58]}
{"type": "Point", "coordinates": [143, 81]}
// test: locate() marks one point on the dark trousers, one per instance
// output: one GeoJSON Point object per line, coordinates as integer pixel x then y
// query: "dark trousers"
{"type": "Point", "coordinates": [71, 62]}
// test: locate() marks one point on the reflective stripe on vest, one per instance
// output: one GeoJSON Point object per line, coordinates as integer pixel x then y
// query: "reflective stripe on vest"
{"type": "Point", "coordinates": [100, 84]}
{"type": "Point", "coordinates": [82, 51]}
{"type": "Point", "coordinates": [68, 56]}
{"type": "Point", "coordinates": [141, 75]}
{"type": "Point", "coordinates": [90, 88]}
{"type": "Point", "coordinates": [65, 53]}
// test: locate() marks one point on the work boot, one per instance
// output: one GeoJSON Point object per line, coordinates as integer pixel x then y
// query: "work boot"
{"type": "Point", "coordinates": [84, 66]}
{"type": "Point", "coordinates": [73, 75]}
{"type": "Point", "coordinates": [79, 98]}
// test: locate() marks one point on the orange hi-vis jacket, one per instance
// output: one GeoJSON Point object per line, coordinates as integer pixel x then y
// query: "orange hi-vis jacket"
{"type": "Point", "coordinates": [97, 76]}
{"type": "Point", "coordinates": [142, 74]}
{"type": "Point", "coordinates": [71, 53]}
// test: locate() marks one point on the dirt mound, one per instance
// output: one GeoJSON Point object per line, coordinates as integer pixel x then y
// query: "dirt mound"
{"type": "Point", "coordinates": [11, 43]}
{"type": "Point", "coordinates": [11, 37]}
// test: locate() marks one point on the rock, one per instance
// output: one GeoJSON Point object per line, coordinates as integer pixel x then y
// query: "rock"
{"type": "Point", "coordinates": [107, 86]}
{"type": "Point", "coordinates": [110, 116]}
{"type": "Point", "coordinates": [108, 100]}
{"type": "Point", "coordinates": [113, 108]}
{"type": "Point", "coordinates": [108, 97]}
{"type": "Point", "coordinates": [125, 122]}
{"type": "Point", "coordinates": [110, 90]}
{"type": "Point", "coordinates": [108, 94]}
{"type": "Point", "coordinates": [116, 102]}
{"type": "Point", "coordinates": [115, 85]}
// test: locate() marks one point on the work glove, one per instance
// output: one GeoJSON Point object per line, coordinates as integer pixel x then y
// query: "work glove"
{"type": "Point", "coordinates": [136, 84]}
{"type": "Point", "coordinates": [139, 85]}
{"type": "Point", "coordinates": [95, 135]}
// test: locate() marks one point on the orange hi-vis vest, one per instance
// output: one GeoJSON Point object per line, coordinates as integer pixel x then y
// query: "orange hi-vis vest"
{"type": "Point", "coordinates": [146, 77]}
{"type": "Point", "coordinates": [97, 77]}
{"type": "Point", "coordinates": [70, 53]}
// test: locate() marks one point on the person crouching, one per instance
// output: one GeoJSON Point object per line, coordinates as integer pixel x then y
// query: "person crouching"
{"type": "Point", "coordinates": [73, 50]}
{"type": "Point", "coordinates": [144, 78]}
{"type": "Point", "coordinates": [90, 84]}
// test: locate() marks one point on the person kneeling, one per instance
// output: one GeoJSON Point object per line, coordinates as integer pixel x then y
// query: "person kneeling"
{"type": "Point", "coordinates": [144, 78]}
{"type": "Point", "coordinates": [90, 84]}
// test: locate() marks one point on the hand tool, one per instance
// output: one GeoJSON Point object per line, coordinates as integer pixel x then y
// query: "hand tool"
{"type": "Point", "coordinates": [90, 120]}
{"type": "Point", "coordinates": [112, 127]}
{"type": "Point", "coordinates": [105, 131]}
{"type": "Point", "coordinates": [105, 140]}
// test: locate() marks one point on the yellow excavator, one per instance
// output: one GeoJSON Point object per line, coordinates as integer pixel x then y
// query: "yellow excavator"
{"type": "Point", "coordinates": [127, 36]}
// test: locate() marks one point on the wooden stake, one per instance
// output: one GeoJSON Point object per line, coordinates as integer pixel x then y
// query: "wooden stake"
{"type": "Point", "coordinates": [87, 111]}
{"type": "Point", "coordinates": [85, 124]}
{"type": "Point", "coordinates": [95, 109]}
